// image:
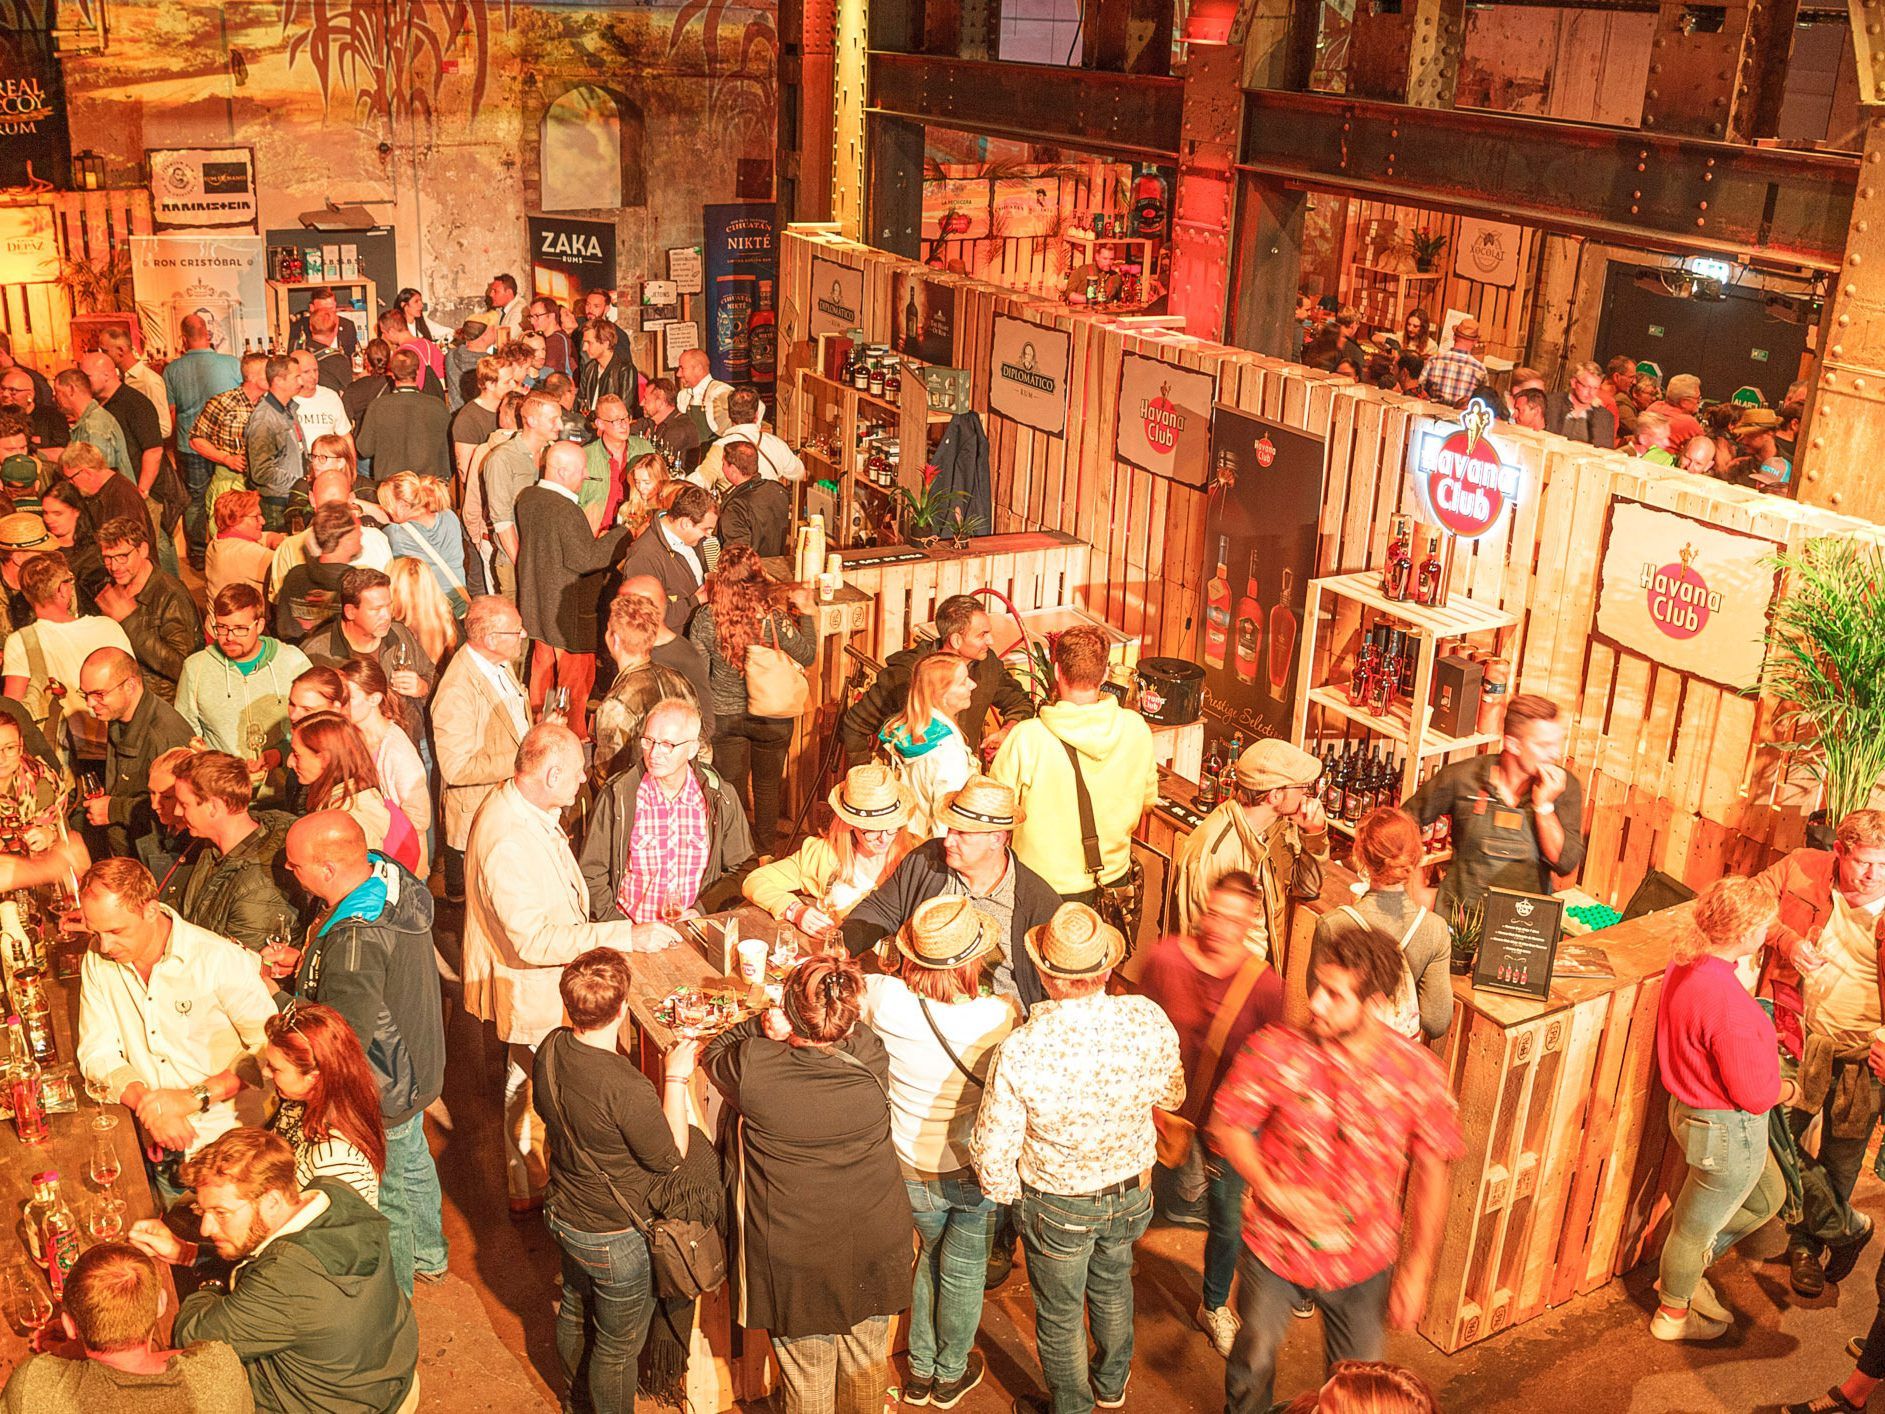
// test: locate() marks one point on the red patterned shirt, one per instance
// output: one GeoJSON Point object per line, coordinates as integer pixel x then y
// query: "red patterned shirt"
{"type": "Point", "coordinates": [1330, 1122]}
{"type": "Point", "coordinates": [667, 851]}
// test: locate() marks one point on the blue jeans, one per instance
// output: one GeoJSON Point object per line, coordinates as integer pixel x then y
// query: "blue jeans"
{"type": "Point", "coordinates": [1224, 1205]}
{"type": "Point", "coordinates": [1353, 1321]}
{"type": "Point", "coordinates": [952, 1219]}
{"type": "Point", "coordinates": [608, 1302]}
{"type": "Point", "coordinates": [1080, 1262]}
{"type": "Point", "coordinates": [1733, 1186]}
{"type": "Point", "coordinates": [411, 1203]}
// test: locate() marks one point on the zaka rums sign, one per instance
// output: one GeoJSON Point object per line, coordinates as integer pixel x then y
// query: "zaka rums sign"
{"type": "Point", "coordinates": [1463, 476]}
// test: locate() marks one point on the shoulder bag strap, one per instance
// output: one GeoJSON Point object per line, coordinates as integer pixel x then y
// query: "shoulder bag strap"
{"type": "Point", "coordinates": [941, 1040]}
{"type": "Point", "coordinates": [1408, 936]}
{"type": "Point", "coordinates": [1089, 831]}
{"type": "Point", "coordinates": [850, 1059]}
{"type": "Point", "coordinates": [562, 1120]}
{"type": "Point", "coordinates": [437, 559]}
{"type": "Point", "coordinates": [1227, 1014]}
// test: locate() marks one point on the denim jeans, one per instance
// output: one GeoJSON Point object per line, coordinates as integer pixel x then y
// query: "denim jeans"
{"type": "Point", "coordinates": [608, 1302]}
{"type": "Point", "coordinates": [743, 746]}
{"type": "Point", "coordinates": [1224, 1205]}
{"type": "Point", "coordinates": [196, 472]}
{"type": "Point", "coordinates": [1080, 1263]}
{"type": "Point", "coordinates": [1733, 1186]}
{"type": "Point", "coordinates": [1353, 1321]}
{"type": "Point", "coordinates": [952, 1219]}
{"type": "Point", "coordinates": [411, 1203]}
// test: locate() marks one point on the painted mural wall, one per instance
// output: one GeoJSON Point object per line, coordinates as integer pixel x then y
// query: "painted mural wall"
{"type": "Point", "coordinates": [432, 114]}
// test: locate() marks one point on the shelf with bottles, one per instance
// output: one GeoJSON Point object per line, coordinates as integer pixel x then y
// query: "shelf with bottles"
{"type": "Point", "coordinates": [1359, 776]}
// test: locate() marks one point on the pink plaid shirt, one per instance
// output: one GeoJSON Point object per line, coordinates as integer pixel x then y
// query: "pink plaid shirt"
{"type": "Point", "coordinates": [667, 851]}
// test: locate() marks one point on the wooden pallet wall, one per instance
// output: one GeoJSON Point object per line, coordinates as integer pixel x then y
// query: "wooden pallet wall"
{"type": "Point", "coordinates": [88, 226]}
{"type": "Point", "coordinates": [1672, 776]}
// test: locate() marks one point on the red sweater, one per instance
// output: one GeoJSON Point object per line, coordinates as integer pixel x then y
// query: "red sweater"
{"type": "Point", "coordinates": [1714, 1043]}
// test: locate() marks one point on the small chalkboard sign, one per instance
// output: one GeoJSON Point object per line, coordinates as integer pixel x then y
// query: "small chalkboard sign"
{"type": "Point", "coordinates": [1518, 943]}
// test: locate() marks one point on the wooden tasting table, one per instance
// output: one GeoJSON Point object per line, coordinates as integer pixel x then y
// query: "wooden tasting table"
{"type": "Point", "coordinates": [67, 1149]}
{"type": "Point", "coordinates": [1568, 1171]}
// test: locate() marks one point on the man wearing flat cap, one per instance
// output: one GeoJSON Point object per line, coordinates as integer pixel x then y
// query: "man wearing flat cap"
{"type": "Point", "coordinates": [1272, 827]}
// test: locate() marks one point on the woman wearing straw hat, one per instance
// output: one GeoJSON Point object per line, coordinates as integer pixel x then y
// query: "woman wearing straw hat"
{"type": "Point", "coordinates": [824, 1231]}
{"type": "Point", "coordinates": [817, 885]}
{"type": "Point", "coordinates": [941, 1034]}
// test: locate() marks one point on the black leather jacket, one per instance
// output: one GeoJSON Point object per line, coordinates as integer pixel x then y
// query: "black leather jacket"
{"type": "Point", "coordinates": [247, 893]}
{"type": "Point", "coordinates": [164, 630]}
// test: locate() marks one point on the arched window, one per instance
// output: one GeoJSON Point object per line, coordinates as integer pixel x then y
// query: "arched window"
{"type": "Point", "coordinates": [590, 151]}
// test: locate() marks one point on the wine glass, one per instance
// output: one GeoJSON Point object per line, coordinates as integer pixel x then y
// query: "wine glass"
{"type": "Point", "coordinates": [279, 953]}
{"type": "Point", "coordinates": [103, 1163]}
{"type": "Point", "coordinates": [105, 1218]}
{"type": "Point", "coordinates": [29, 1304]}
{"type": "Point", "coordinates": [99, 1088]}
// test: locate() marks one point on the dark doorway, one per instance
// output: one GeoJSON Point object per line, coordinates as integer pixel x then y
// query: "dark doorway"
{"type": "Point", "coordinates": [1728, 343]}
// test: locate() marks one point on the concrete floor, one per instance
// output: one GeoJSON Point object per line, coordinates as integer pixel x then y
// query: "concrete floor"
{"type": "Point", "coordinates": [487, 1341]}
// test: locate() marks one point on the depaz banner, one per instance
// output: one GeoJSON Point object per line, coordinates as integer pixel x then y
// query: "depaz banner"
{"type": "Point", "coordinates": [742, 278]}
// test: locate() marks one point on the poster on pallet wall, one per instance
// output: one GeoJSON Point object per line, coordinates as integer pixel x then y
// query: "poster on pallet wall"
{"type": "Point", "coordinates": [1164, 424]}
{"type": "Point", "coordinates": [1487, 251]}
{"type": "Point", "coordinates": [219, 278]}
{"type": "Point", "coordinates": [742, 250]}
{"type": "Point", "coordinates": [1027, 374]}
{"type": "Point", "coordinates": [1685, 594]}
{"type": "Point", "coordinates": [195, 187]}
{"type": "Point", "coordinates": [923, 319]}
{"type": "Point", "coordinates": [837, 298]}
{"type": "Point", "coordinates": [29, 254]}
{"type": "Point", "coordinates": [1260, 521]}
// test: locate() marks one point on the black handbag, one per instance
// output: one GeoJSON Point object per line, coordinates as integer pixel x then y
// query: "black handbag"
{"type": "Point", "coordinates": [1119, 902]}
{"type": "Point", "coordinates": [689, 1258]}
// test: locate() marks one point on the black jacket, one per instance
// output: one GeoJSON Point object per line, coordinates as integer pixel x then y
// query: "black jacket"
{"type": "Point", "coordinates": [962, 466]}
{"type": "Point", "coordinates": [922, 874]}
{"type": "Point", "coordinates": [247, 893]}
{"type": "Point", "coordinates": [560, 563]}
{"type": "Point", "coordinates": [378, 971]}
{"type": "Point", "coordinates": [130, 747]}
{"type": "Point", "coordinates": [594, 382]}
{"type": "Point", "coordinates": [887, 695]}
{"type": "Point", "coordinates": [308, 598]}
{"type": "Point", "coordinates": [651, 554]}
{"type": "Point", "coordinates": [1600, 424]}
{"type": "Point", "coordinates": [405, 430]}
{"type": "Point", "coordinates": [757, 513]}
{"type": "Point", "coordinates": [164, 630]}
{"type": "Point", "coordinates": [604, 854]}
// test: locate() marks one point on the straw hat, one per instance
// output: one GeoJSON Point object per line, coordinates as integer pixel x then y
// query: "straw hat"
{"type": "Point", "coordinates": [1756, 420]}
{"type": "Point", "coordinates": [22, 531]}
{"type": "Point", "coordinates": [947, 932]}
{"type": "Point", "coordinates": [1075, 943]}
{"type": "Point", "coordinates": [1273, 763]}
{"type": "Point", "coordinates": [982, 806]}
{"type": "Point", "coordinates": [871, 798]}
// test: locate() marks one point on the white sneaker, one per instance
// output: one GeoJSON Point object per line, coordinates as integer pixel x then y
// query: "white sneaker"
{"type": "Point", "coordinates": [1220, 1323]}
{"type": "Point", "coordinates": [1704, 1301]}
{"type": "Point", "coordinates": [1692, 1326]}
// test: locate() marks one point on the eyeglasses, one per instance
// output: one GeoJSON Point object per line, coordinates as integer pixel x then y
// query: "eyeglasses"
{"type": "Point", "coordinates": [656, 744]}
{"type": "Point", "coordinates": [93, 693]}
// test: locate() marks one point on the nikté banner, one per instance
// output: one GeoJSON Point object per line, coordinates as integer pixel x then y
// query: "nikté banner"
{"type": "Point", "coordinates": [568, 258]}
{"type": "Point", "coordinates": [742, 278]}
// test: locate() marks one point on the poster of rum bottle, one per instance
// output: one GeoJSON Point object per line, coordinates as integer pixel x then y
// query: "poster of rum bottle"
{"type": "Point", "coordinates": [742, 293]}
{"type": "Point", "coordinates": [923, 319]}
{"type": "Point", "coordinates": [1262, 503]}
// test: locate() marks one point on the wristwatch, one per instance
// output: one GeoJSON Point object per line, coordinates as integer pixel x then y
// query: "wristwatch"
{"type": "Point", "coordinates": [203, 1101]}
{"type": "Point", "coordinates": [1548, 808]}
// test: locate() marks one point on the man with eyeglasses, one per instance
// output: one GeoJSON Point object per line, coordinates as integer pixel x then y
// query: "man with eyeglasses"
{"type": "Point", "coordinates": [1580, 414]}
{"type": "Point", "coordinates": [235, 692]}
{"type": "Point", "coordinates": [46, 434]}
{"type": "Point", "coordinates": [605, 473]}
{"type": "Point", "coordinates": [558, 355]}
{"type": "Point", "coordinates": [52, 649]}
{"type": "Point", "coordinates": [479, 718]}
{"type": "Point", "coordinates": [668, 836]}
{"type": "Point", "coordinates": [150, 604]}
{"type": "Point", "coordinates": [140, 727]}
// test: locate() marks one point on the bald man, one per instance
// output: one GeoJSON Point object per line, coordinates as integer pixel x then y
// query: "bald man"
{"type": "Point", "coordinates": [560, 565]}
{"type": "Point", "coordinates": [140, 727]}
{"type": "Point", "coordinates": [370, 957]}
{"type": "Point", "coordinates": [327, 487]}
{"type": "Point", "coordinates": [675, 650]}
{"type": "Point", "coordinates": [134, 413]}
{"type": "Point", "coordinates": [702, 398]}
{"type": "Point", "coordinates": [526, 915]}
{"type": "Point", "coordinates": [191, 379]}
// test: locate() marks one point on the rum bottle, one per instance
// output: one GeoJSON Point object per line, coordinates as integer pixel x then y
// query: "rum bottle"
{"type": "Point", "coordinates": [1397, 571]}
{"type": "Point", "coordinates": [29, 998]}
{"type": "Point", "coordinates": [52, 1233]}
{"type": "Point", "coordinates": [764, 337]}
{"type": "Point", "coordinates": [22, 1086]}
{"type": "Point", "coordinates": [1217, 609]}
{"type": "Point", "coordinates": [1249, 626]}
{"type": "Point", "coordinates": [1362, 680]}
{"type": "Point", "coordinates": [1430, 584]}
{"type": "Point", "coordinates": [1354, 790]}
{"type": "Point", "coordinates": [1208, 783]}
{"type": "Point", "coordinates": [1282, 636]}
{"type": "Point", "coordinates": [1332, 777]}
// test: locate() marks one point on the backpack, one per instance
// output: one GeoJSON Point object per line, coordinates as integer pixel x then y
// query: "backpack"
{"type": "Point", "coordinates": [1401, 1012]}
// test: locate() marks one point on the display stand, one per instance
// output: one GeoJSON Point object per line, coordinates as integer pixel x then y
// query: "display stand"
{"type": "Point", "coordinates": [841, 414]}
{"type": "Point", "coordinates": [282, 313]}
{"type": "Point", "coordinates": [1384, 297]}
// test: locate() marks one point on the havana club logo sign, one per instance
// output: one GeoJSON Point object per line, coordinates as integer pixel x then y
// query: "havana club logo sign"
{"type": "Point", "coordinates": [1677, 597]}
{"type": "Point", "coordinates": [1463, 475]}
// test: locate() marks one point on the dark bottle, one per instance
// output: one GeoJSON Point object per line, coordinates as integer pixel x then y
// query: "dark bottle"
{"type": "Point", "coordinates": [1354, 789]}
{"type": "Point", "coordinates": [1430, 586]}
{"type": "Point", "coordinates": [1209, 784]}
{"type": "Point", "coordinates": [1332, 785]}
{"type": "Point", "coordinates": [1397, 571]}
{"type": "Point", "coordinates": [912, 321]}
{"type": "Point", "coordinates": [764, 337]}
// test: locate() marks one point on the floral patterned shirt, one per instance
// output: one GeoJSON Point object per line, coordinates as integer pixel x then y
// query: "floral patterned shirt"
{"type": "Point", "coordinates": [1068, 1104]}
{"type": "Point", "coordinates": [30, 799]}
{"type": "Point", "coordinates": [1330, 1122]}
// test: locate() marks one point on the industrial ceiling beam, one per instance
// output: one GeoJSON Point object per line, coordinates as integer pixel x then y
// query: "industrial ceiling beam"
{"type": "Point", "coordinates": [1128, 115]}
{"type": "Point", "coordinates": [1613, 184]}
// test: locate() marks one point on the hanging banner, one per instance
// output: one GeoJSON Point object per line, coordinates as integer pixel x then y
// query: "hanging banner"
{"type": "Point", "coordinates": [742, 264]}
{"type": "Point", "coordinates": [837, 298]}
{"type": "Point", "coordinates": [1027, 374]}
{"type": "Point", "coordinates": [28, 253]}
{"type": "Point", "coordinates": [220, 278]}
{"type": "Point", "coordinates": [34, 143]}
{"type": "Point", "coordinates": [568, 257]}
{"type": "Point", "coordinates": [1487, 251]}
{"type": "Point", "coordinates": [194, 187]}
{"type": "Point", "coordinates": [923, 319]}
{"type": "Point", "coordinates": [1461, 475]}
{"type": "Point", "coordinates": [1164, 418]}
{"type": "Point", "coordinates": [1260, 523]}
{"type": "Point", "coordinates": [1685, 594]}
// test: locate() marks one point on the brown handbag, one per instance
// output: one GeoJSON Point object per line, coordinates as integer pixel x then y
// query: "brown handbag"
{"type": "Point", "coordinates": [1175, 1132]}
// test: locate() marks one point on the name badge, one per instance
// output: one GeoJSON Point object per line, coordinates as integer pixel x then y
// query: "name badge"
{"type": "Point", "coordinates": [1503, 819]}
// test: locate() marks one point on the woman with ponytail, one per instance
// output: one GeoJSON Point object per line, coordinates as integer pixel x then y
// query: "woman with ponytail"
{"type": "Point", "coordinates": [825, 1235]}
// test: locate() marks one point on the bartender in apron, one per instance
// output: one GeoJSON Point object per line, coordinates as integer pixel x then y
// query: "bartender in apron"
{"type": "Point", "coordinates": [1517, 815]}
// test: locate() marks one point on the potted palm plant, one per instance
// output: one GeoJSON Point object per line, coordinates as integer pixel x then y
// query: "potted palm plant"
{"type": "Point", "coordinates": [1826, 670]}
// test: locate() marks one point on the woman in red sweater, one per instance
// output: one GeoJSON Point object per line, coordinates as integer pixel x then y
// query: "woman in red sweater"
{"type": "Point", "coordinates": [1715, 1047]}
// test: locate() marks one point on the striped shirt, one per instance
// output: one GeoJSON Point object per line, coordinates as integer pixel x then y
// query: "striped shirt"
{"type": "Point", "coordinates": [332, 1157]}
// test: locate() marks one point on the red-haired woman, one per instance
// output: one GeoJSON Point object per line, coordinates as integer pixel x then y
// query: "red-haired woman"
{"type": "Point", "coordinates": [330, 758]}
{"type": "Point", "coordinates": [741, 606]}
{"type": "Point", "coordinates": [330, 1103]}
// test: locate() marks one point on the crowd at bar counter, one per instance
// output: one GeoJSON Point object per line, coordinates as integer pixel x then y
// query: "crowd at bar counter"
{"type": "Point", "coordinates": [324, 657]}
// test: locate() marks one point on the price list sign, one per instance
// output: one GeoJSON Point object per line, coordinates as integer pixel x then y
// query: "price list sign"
{"type": "Point", "coordinates": [1518, 943]}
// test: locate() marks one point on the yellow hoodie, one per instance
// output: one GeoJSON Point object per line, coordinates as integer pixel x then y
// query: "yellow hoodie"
{"type": "Point", "coordinates": [1115, 750]}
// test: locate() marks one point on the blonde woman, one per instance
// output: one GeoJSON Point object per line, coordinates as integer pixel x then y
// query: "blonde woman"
{"type": "Point", "coordinates": [815, 886]}
{"type": "Point", "coordinates": [647, 475]}
{"type": "Point", "coordinates": [924, 743]}
{"type": "Point", "coordinates": [1715, 1048]}
{"type": "Point", "coordinates": [424, 527]}
{"type": "Point", "coordinates": [422, 606]}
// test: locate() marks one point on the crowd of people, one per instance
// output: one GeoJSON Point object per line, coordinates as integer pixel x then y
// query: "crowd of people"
{"type": "Point", "coordinates": [1624, 404]}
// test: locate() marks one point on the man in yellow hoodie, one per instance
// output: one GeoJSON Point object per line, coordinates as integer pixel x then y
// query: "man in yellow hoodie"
{"type": "Point", "coordinates": [1112, 747]}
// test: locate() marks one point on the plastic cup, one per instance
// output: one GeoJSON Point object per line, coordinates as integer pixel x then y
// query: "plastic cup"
{"type": "Point", "coordinates": [752, 954]}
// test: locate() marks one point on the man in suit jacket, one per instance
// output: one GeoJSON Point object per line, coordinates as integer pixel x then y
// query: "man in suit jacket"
{"type": "Point", "coordinates": [669, 550]}
{"type": "Point", "coordinates": [479, 718]}
{"type": "Point", "coordinates": [1579, 414]}
{"type": "Point", "coordinates": [559, 580]}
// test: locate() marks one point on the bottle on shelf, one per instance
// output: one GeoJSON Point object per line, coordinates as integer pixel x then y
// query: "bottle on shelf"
{"type": "Point", "coordinates": [1208, 783]}
{"type": "Point", "coordinates": [893, 378]}
{"type": "Point", "coordinates": [1227, 777]}
{"type": "Point", "coordinates": [1333, 784]}
{"type": "Point", "coordinates": [1249, 626]}
{"type": "Point", "coordinates": [861, 373]}
{"type": "Point", "coordinates": [22, 1086]}
{"type": "Point", "coordinates": [1328, 764]}
{"type": "Point", "coordinates": [1217, 609]}
{"type": "Point", "coordinates": [1354, 790]}
{"type": "Point", "coordinates": [1430, 581]}
{"type": "Point", "coordinates": [1397, 570]}
{"type": "Point", "coordinates": [52, 1233]}
{"type": "Point", "coordinates": [1387, 655]}
{"type": "Point", "coordinates": [875, 381]}
{"type": "Point", "coordinates": [1361, 682]}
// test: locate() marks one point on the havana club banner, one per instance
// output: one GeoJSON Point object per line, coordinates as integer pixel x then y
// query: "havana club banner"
{"type": "Point", "coordinates": [1027, 374]}
{"type": "Point", "coordinates": [1685, 594]}
{"type": "Point", "coordinates": [1164, 424]}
